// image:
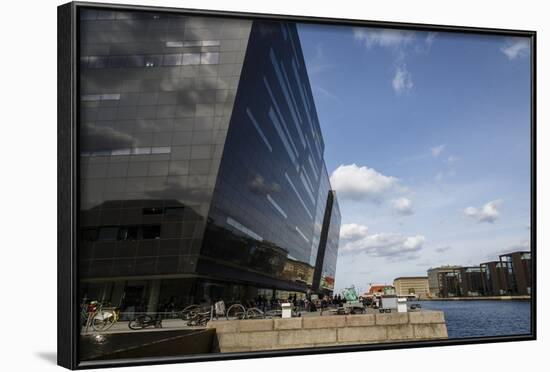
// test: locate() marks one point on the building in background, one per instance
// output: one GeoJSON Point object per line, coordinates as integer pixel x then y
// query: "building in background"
{"type": "Point", "coordinates": [450, 283]}
{"type": "Point", "coordinates": [495, 278]}
{"type": "Point", "coordinates": [412, 286]}
{"type": "Point", "coordinates": [519, 272]}
{"type": "Point", "coordinates": [434, 282]}
{"type": "Point", "coordinates": [471, 281]}
{"type": "Point", "coordinates": [510, 276]}
{"type": "Point", "coordinates": [379, 290]}
{"type": "Point", "coordinates": [202, 171]}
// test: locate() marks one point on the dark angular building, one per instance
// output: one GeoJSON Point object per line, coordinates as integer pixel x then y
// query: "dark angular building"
{"type": "Point", "coordinates": [450, 283]}
{"type": "Point", "coordinates": [471, 281]}
{"type": "Point", "coordinates": [461, 282]}
{"type": "Point", "coordinates": [495, 278]}
{"type": "Point", "coordinates": [202, 173]}
{"type": "Point", "coordinates": [518, 272]}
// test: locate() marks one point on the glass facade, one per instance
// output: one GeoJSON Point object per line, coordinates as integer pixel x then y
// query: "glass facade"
{"type": "Point", "coordinates": [201, 160]}
{"type": "Point", "coordinates": [268, 188]}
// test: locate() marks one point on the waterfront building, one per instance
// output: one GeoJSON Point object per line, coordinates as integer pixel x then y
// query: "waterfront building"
{"type": "Point", "coordinates": [494, 277]}
{"type": "Point", "coordinates": [380, 289]}
{"type": "Point", "coordinates": [519, 272]}
{"type": "Point", "coordinates": [461, 282]}
{"type": "Point", "coordinates": [450, 283]}
{"type": "Point", "coordinates": [434, 283]}
{"type": "Point", "coordinates": [202, 173]}
{"type": "Point", "coordinates": [412, 285]}
{"type": "Point", "coordinates": [471, 281]}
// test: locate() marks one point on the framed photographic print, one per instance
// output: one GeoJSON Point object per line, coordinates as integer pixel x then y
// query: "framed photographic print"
{"type": "Point", "coordinates": [236, 185]}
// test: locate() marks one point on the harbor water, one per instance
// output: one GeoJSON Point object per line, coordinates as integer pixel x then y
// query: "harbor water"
{"type": "Point", "coordinates": [480, 318]}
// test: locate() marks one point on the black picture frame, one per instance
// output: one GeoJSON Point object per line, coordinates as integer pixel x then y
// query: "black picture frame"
{"type": "Point", "coordinates": [68, 190]}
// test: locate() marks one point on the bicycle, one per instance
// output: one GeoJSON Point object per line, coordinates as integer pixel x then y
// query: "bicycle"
{"type": "Point", "coordinates": [190, 312]}
{"type": "Point", "coordinates": [238, 311]}
{"type": "Point", "coordinates": [200, 318]}
{"type": "Point", "coordinates": [144, 321]}
{"type": "Point", "coordinates": [102, 316]}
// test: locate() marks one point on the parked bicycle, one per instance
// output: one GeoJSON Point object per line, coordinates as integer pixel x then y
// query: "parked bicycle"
{"type": "Point", "coordinates": [238, 311]}
{"type": "Point", "coordinates": [101, 316]}
{"type": "Point", "coordinates": [144, 321]}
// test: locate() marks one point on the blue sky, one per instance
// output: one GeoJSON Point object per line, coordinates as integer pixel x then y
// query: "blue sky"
{"type": "Point", "coordinates": [427, 143]}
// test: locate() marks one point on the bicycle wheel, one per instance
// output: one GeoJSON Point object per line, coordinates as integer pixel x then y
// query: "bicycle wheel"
{"type": "Point", "coordinates": [254, 313]}
{"type": "Point", "coordinates": [273, 313]}
{"type": "Point", "coordinates": [203, 319]}
{"type": "Point", "coordinates": [103, 320]}
{"type": "Point", "coordinates": [139, 322]}
{"type": "Point", "coordinates": [190, 312]}
{"type": "Point", "coordinates": [235, 311]}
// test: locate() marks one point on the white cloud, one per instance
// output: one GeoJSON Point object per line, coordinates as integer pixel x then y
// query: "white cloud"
{"type": "Point", "coordinates": [402, 79]}
{"type": "Point", "coordinates": [353, 231]}
{"type": "Point", "coordinates": [361, 183]}
{"type": "Point", "coordinates": [402, 206]}
{"type": "Point", "coordinates": [436, 151]}
{"type": "Point", "coordinates": [388, 38]}
{"type": "Point", "coordinates": [356, 239]}
{"type": "Point", "coordinates": [430, 38]}
{"type": "Point", "coordinates": [487, 213]}
{"type": "Point", "coordinates": [452, 159]}
{"type": "Point", "coordinates": [516, 47]}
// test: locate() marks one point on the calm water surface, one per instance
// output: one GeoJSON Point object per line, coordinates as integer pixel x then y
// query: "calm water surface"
{"type": "Point", "coordinates": [484, 318]}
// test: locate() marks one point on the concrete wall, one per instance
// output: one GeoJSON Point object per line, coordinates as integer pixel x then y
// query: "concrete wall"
{"type": "Point", "coordinates": [330, 330]}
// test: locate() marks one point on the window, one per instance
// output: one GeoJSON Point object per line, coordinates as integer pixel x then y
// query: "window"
{"type": "Point", "coordinates": [258, 129]}
{"type": "Point", "coordinates": [210, 58]}
{"type": "Point", "coordinates": [117, 61]}
{"type": "Point", "coordinates": [151, 232]}
{"type": "Point", "coordinates": [107, 233]}
{"type": "Point", "coordinates": [89, 235]}
{"type": "Point", "coordinates": [119, 152]}
{"type": "Point", "coordinates": [128, 233]}
{"type": "Point", "coordinates": [135, 61]}
{"type": "Point", "coordinates": [172, 60]}
{"type": "Point", "coordinates": [141, 150]}
{"type": "Point", "coordinates": [110, 97]}
{"type": "Point", "coordinates": [237, 225]}
{"type": "Point", "coordinates": [161, 150]}
{"type": "Point", "coordinates": [191, 59]}
{"type": "Point", "coordinates": [97, 62]}
{"type": "Point", "coordinates": [211, 43]}
{"type": "Point", "coordinates": [191, 43]}
{"type": "Point", "coordinates": [174, 211]}
{"type": "Point", "coordinates": [152, 211]}
{"type": "Point", "coordinates": [276, 206]}
{"type": "Point", "coordinates": [174, 44]}
{"type": "Point", "coordinates": [153, 60]}
{"type": "Point", "coordinates": [302, 234]}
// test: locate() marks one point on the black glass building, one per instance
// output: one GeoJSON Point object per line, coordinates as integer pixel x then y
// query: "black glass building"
{"type": "Point", "coordinates": [202, 174]}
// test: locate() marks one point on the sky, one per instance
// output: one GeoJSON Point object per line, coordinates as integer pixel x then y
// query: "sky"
{"type": "Point", "coordinates": [427, 144]}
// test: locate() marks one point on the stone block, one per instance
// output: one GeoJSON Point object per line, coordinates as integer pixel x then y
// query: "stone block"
{"type": "Point", "coordinates": [392, 318]}
{"type": "Point", "coordinates": [248, 340]}
{"type": "Point", "coordinates": [224, 326]}
{"type": "Point", "coordinates": [423, 317]}
{"type": "Point", "coordinates": [362, 334]}
{"type": "Point", "coordinates": [430, 331]}
{"type": "Point", "coordinates": [400, 332]}
{"type": "Point", "coordinates": [255, 325]}
{"type": "Point", "coordinates": [307, 336]}
{"type": "Point", "coordinates": [288, 323]}
{"type": "Point", "coordinates": [329, 321]}
{"type": "Point", "coordinates": [362, 320]}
